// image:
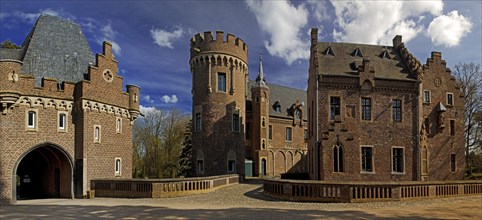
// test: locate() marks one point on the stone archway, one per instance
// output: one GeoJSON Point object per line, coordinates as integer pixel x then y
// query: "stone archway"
{"type": "Point", "coordinates": [43, 172]}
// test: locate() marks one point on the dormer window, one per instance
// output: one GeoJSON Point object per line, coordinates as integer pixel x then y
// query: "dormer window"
{"type": "Point", "coordinates": [385, 55]}
{"type": "Point", "coordinates": [329, 51]}
{"type": "Point", "coordinates": [357, 53]}
{"type": "Point", "coordinates": [277, 106]}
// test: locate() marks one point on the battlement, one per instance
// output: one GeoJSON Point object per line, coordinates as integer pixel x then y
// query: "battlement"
{"type": "Point", "coordinates": [206, 43]}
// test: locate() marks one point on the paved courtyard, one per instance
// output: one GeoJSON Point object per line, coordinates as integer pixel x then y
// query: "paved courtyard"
{"type": "Point", "coordinates": [243, 201]}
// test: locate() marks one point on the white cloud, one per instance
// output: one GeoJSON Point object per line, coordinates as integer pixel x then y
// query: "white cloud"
{"type": "Point", "coordinates": [319, 9]}
{"type": "Point", "coordinates": [148, 99]}
{"type": "Point", "coordinates": [283, 22]}
{"type": "Point", "coordinates": [447, 30]}
{"type": "Point", "coordinates": [164, 38]}
{"type": "Point", "coordinates": [108, 34]}
{"type": "Point", "coordinates": [169, 100]}
{"type": "Point", "coordinates": [146, 110]}
{"type": "Point", "coordinates": [29, 17]}
{"type": "Point", "coordinates": [372, 22]}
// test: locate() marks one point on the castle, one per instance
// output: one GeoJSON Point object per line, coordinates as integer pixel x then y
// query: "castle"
{"type": "Point", "coordinates": [236, 122]}
{"type": "Point", "coordinates": [371, 113]}
{"type": "Point", "coordinates": [65, 119]}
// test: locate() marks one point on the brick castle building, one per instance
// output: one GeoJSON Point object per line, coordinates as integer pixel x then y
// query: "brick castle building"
{"type": "Point", "coordinates": [65, 118]}
{"type": "Point", "coordinates": [377, 114]}
{"type": "Point", "coordinates": [237, 121]}
{"type": "Point", "coordinates": [372, 113]}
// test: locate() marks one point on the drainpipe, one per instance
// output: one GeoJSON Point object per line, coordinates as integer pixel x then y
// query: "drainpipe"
{"type": "Point", "coordinates": [318, 143]}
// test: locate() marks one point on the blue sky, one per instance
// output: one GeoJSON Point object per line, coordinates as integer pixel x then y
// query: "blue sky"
{"type": "Point", "coordinates": [151, 38]}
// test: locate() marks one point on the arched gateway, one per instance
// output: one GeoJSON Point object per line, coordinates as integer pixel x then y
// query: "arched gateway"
{"type": "Point", "coordinates": [43, 172]}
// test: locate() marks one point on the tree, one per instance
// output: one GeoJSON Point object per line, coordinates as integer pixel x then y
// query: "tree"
{"type": "Point", "coordinates": [157, 143]}
{"type": "Point", "coordinates": [9, 45]}
{"type": "Point", "coordinates": [470, 78]}
{"type": "Point", "coordinates": [185, 160]}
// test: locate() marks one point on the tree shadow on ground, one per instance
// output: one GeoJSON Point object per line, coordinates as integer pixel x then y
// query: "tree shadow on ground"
{"type": "Point", "coordinates": [145, 212]}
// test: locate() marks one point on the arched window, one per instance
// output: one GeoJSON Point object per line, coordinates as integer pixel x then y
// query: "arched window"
{"type": "Point", "coordinates": [231, 162]}
{"type": "Point", "coordinates": [118, 166]}
{"type": "Point", "coordinates": [263, 144]}
{"type": "Point", "coordinates": [338, 158]}
{"type": "Point", "coordinates": [263, 122]}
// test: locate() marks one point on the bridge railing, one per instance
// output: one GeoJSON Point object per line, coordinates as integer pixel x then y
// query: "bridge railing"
{"type": "Point", "coordinates": [321, 191]}
{"type": "Point", "coordinates": [157, 188]}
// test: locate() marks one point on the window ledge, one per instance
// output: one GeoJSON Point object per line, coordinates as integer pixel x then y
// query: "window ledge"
{"type": "Point", "coordinates": [398, 173]}
{"type": "Point", "coordinates": [367, 172]}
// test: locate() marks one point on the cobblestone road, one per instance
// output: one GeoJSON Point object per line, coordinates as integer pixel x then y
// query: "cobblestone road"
{"type": "Point", "coordinates": [243, 201]}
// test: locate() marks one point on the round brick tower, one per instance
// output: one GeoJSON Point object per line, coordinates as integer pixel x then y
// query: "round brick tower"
{"type": "Point", "coordinates": [219, 70]}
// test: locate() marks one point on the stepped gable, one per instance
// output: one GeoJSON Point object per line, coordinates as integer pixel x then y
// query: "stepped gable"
{"type": "Point", "coordinates": [286, 96]}
{"type": "Point", "coordinates": [56, 48]}
{"type": "Point", "coordinates": [347, 59]}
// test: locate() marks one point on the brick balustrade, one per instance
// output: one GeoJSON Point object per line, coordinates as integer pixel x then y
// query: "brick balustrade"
{"type": "Point", "coordinates": [321, 191]}
{"type": "Point", "coordinates": [157, 188]}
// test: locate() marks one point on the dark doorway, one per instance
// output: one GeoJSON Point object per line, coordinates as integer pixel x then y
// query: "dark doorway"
{"type": "Point", "coordinates": [45, 172]}
{"type": "Point", "coordinates": [263, 167]}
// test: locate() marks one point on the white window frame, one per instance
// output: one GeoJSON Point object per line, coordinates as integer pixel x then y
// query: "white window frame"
{"type": "Point", "coordinates": [429, 96]}
{"type": "Point", "coordinates": [225, 82]}
{"type": "Point", "coordinates": [447, 99]}
{"type": "Point", "coordinates": [118, 169]}
{"type": "Point", "coordinates": [97, 135]}
{"type": "Point", "coordinates": [118, 125]}
{"type": "Point", "coordinates": [63, 120]}
{"type": "Point", "coordinates": [403, 160]}
{"type": "Point", "coordinates": [34, 125]}
{"type": "Point", "coordinates": [372, 160]}
{"type": "Point", "coordinates": [291, 134]}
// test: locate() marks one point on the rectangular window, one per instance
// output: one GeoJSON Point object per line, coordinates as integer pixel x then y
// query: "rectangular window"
{"type": "Point", "coordinates": [288, 134]}
{"type": "Point", "coordinates": [397, 160]}
{"type": "Point", "coordinates": [118, 125]}
{"type": "Point", "coordinates": [198, 122]}
{"type": "Point", "coordinates": [334, 107]}
{"type": "Point", "coordinates": [221, 82]}
{"type": "Point", "coordinates": [452, 127]}
{"type": "Point", "coordinates": [270, 132]}
{"type": "Point", "coordinates": [248, 130]}
{"type": "Point", "coordinates": [450, 99]}
{"type": "Point", "coordinates": [97, 134]}
{"type": "Point", "coordinates": [62, 120]}
{"type": "Point", "coordinates": [426, 96]}
{"type": "Point", "coordinates": [427, 125]}
{"type": "Point", "coordinates": [31, 119]}
{"type": "Point", "coordinates": [366, 109]}
{"type": "Point", "coordinates": [118, 166]}
{"type": "Point", "coordinates": [231, 166]}
{"type": "Point", "coordinates": [452, 162]}
{"type": "Point", "coordinates": [236, 122]}
{"type": "Point", "coordinates": [367, 159]}
{"type": "Point", "coordinates": [397, 110]}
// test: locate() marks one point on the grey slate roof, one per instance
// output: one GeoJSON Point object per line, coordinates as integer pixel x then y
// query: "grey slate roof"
{"type": "Point", "coordinates": [344, 63]}
{"type": "Point", "coordinates": [11, 54]}
{"type": "Point", "coordinates": [55, 48]}
{"type": "Point", "coordinates": [286, 96]}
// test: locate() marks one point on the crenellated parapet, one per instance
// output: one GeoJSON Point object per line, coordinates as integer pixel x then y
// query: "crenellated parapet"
{"type": "Point", "coordinates": [411, 61]}
{"type": "Point", "coordinates": [205, 44]}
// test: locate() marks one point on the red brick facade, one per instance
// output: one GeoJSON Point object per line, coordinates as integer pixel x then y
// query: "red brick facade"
{"type": "Point", "coordinates": [367, 115]}
{"type": "Point", "coordinates": [55, 151]}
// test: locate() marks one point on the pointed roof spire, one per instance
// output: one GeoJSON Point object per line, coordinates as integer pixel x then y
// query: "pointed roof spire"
{"type": "Point", "coordinates": [261, 79]}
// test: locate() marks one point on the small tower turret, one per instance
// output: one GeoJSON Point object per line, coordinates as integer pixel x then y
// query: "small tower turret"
{"type": "Point", "coordinates": [134, 92]}
{"type": "Point", "coordinates": [260, 121]}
